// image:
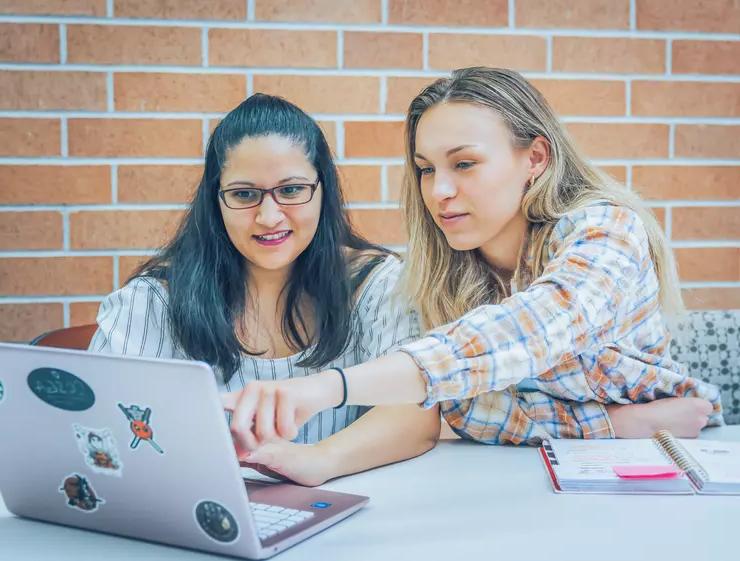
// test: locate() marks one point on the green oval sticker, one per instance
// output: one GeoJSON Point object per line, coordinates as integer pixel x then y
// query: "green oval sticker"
{"type": "Point", "coordinates": [61, 389]}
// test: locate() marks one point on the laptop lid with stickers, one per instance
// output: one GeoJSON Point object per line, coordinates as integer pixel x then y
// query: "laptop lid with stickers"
{"type": "Point", "coordinates": [140, 448]}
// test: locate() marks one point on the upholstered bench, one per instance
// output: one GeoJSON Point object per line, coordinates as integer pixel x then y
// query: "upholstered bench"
{"type": "Point", "coordinates": [708, 343]}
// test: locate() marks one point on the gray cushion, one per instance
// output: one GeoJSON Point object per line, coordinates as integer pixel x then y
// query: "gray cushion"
{"type": "Point", "coordinates": [708, 343]}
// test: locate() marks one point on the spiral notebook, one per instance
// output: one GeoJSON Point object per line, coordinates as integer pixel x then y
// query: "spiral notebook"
{"type": "Point", "coordinates": [661, 465]}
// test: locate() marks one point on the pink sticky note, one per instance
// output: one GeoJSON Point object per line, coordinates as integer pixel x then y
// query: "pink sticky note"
{"type": "Point", "coordinates": [647, 472]}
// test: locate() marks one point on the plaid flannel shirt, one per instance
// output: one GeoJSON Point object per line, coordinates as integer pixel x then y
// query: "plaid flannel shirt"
{"type": "Point", "coordinates": [545, 361]}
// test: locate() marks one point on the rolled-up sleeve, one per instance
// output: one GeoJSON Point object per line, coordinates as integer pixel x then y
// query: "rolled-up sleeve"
{"type": "Point", "coordinates": [596, 255]}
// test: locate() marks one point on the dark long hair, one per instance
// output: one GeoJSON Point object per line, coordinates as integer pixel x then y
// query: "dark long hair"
{"type": "Point", "coordinates": [206, 275]}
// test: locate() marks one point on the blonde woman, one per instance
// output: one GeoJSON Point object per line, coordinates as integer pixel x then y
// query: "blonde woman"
{"type": "Point", "coordinates": [545, 288]}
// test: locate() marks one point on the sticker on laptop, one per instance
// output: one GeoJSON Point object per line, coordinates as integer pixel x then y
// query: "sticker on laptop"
{"type": "Point", "coordinates": [139, 425]}
{"type": "Point", "coordinates": [216, 521]}
{"type": "Point", "coordinates": [2, 391]}
{"type": "Point", "coordinates": [61, 389]}
{"type": "Point", "coordinates": [80, 494]}
{"type": "Point", "coordinates": [98, 447]}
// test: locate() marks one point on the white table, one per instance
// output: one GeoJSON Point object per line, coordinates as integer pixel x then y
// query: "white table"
{"type": "Point", "coordinates": [461, 501]}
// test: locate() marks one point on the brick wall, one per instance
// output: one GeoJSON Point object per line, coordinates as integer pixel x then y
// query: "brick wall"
{"type": "Point", "coordinates": [105, 107]}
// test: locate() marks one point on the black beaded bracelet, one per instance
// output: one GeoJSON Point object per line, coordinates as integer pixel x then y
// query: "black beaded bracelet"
{"type": "Point", "coordinates": [344, 387]}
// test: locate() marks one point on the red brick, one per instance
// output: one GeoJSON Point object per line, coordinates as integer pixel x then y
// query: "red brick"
{"type": "Point", "coordinates": [707, 141]}
{"type": "Point", "coordinates": [449, 51]}
{"type": "Point", "coordinates": [324, 94]}
{"type": "Point", "coordinates": [135, 138]}
{"type": "Point", "coordinates": [83, 313]}
{"type": "Point", "coordinates": [687, 182]}
{"type": "Point", "coordinates": [63, 276]}
{"type": "Point", "coordinates": [382, 50]}
{"type": "Point", "coordinates": [127, 44]}
{"type": "Point", "coordinates": [122, 229]}
{"type": "Point", "coordinates": [44, 91]}
{"type": "Point", "coordinates": [395, 182]}
{"type": "Point", "coordinates": [382, 226]}
{"type": "Point", "coordinates": [182, 9]}
{"type": "Point", "coordinates": [208, 93]}
{"type": "Point", "coordinates": [617, 172]}
{"type": "Point", "coordinates": [706, 57]}
{"type": "Point", "coordinates": [477, 13]}
{"type": "Point", "coordinates": [30, 230]}
{"type": "Point", "coordinates": [272, 47]}
{"type": "Point", "coordinates": [382, 139]}
{"type": "Point", "coordinates": [618, 140]}
{"type": "Point", "coordinates": [607, 54]}
{"type": "Point", "coordinates": [24, 322]}
{"type": "Point", "coordinates": [158, 184]}
{"type": "Point", "coordinates": [54, 185]}
{"type": "Point", "coordinates": [683, 99]}
{"type": "Point", "coordinates": [360, 183]}
{"type": "Point", "coordinates": [55, 7]}
{"type": "Point", "coordinates": [659, 214]}
{"type": "Point", "coordinates": [584, 97]}
{"type": "Point", "coordinates": [712, 298]}
{"type": "Point", "coordinates": [319, 11]}
{"type": "Point", "coordinates": [128, 264]}
{"type": "Point", "coordinates": [720, 16]}
{"type": "Point", "coordinates": [706, 223]}
{"type": "Point", "coordinates": [29, 42]}
{"type": "Point", "coordinates": [401, 91]}
{"type": "Point", "coordinates": [708, 264]}
{"type": "Point", "coordinates": [30, 137]}
{"type": "Point", "coordinates": [573, 14]}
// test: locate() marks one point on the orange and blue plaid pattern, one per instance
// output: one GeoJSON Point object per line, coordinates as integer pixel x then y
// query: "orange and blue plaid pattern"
{"type": "Point", "coordinates": [544, 362]}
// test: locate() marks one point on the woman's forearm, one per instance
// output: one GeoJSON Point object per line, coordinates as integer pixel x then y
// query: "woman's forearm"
{"type": "Point", "coordinates": [384, 435]}
{"type": "Point", "coordinates": [389, 380]}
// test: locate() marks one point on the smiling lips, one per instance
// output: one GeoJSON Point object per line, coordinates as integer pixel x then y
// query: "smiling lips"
{"type": "Point", "coordinates": [273, 238]}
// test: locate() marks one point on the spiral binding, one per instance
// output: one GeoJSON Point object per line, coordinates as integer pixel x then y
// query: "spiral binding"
{"type": "Point", "coordinates": [673, 449]}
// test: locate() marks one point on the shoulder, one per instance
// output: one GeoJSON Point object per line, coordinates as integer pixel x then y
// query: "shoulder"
{"type": "Point", "coordinates": [140, 291]}
{"type": "Point", "coordinates": [383, 277]}
{"type": "Point", "coordinates": [601, 223]}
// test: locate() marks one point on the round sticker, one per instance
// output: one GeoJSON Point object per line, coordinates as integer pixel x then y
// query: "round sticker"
{"type": "Point", "coordinates": [217, 522]}
{"type": "Point", "coordinates": [2, 391]}
{"type": "Point", "coordinates": [61, 389]}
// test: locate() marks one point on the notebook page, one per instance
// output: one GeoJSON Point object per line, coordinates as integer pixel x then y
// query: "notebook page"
{"type": "Point", "coordinates": [720, 460]}
{"type": "Point", "coordinates": [591, 460]}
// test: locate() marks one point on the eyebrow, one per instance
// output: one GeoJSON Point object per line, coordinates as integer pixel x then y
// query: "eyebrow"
{"type": "Point", "coordinates": [250, 184]}
{"type": "Point", "coordinates": [449, 152]}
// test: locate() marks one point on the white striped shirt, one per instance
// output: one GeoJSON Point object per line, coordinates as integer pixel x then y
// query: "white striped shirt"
{"type": "Point", "coordinates": [133, 321]}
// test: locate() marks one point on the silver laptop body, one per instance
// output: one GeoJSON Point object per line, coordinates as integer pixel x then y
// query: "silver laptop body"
{"type": "Point", "coordinates": [141, 448]}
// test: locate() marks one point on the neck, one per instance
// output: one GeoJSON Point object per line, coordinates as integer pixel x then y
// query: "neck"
{"type": "Point", "coordinates": [266, 285]}
{"type": "Point", "coordinates": [502, 252]}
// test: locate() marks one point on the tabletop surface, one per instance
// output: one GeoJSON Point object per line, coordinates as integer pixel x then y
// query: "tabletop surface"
{"type": "Point", "coordinates": [460, 500]}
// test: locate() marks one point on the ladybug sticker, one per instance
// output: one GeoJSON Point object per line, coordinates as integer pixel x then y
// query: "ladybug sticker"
{"type": "Point", "coordinates": [139, 425]}
{"type": "Point", "coordinates": [80, 494]}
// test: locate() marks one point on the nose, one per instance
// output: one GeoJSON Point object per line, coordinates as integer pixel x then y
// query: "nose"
{"type": "Point", "coordinates": [269, 213]}
{"type": "Point", "coordinates": [443, 187]}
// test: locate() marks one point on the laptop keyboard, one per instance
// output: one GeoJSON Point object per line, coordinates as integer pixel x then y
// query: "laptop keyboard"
{"type": "Point", "coordinates": [273, 519]}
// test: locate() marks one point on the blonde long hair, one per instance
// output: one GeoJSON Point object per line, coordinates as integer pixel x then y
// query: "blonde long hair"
{"type": "Point", "coordinates": [444, 283]}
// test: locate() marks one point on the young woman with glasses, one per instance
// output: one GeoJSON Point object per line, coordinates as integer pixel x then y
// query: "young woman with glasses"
{"type": "Point", "coordinates": [546, 288]}
{"type": "Point", "coordinates": [265, 280]}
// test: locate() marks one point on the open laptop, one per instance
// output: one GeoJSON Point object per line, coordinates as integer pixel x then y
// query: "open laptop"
{"type": "Point", "coordinates": [141, 448]}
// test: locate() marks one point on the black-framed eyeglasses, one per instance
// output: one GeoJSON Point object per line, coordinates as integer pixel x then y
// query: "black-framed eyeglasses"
{"type": "Point", "coordinates": [239, 198]}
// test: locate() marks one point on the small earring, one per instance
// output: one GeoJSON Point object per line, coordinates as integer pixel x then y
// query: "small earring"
{"type": "Point", "coordinates": [531, 181]}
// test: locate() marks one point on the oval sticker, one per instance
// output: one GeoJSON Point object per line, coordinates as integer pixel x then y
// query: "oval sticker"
{"type": "Point", "coordinates": [61, 389]}
{"type": "Point", "coordinates": [217, 522]}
